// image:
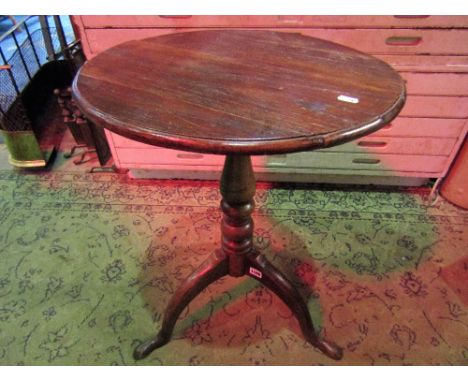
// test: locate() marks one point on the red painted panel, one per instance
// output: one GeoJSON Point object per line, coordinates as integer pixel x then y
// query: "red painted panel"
{"type": "Point", "coordinates": [380, 145]}
{"type": "Point", "coordinates": [383, 41]}
{"type": "Point", "coordinates": [102, 39]}
{"type": "Point", "coordinates": [274, 21]}
{"type": "Point", "coordinates": [426, 63]}
{"type": "Point", "coordinates": [392, 145]}
{"type": "Point", "coordinates": [453, 84]}
{"type": "Point", "coordinates": [435, 106]}
{"type": "Point", "coordinates": [432, 41]}
{"type": "Point", "coordinates": [422, 127]}
{"type": "Point", "coordinates": [391, 163]}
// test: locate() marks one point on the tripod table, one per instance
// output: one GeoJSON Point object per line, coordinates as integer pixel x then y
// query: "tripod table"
{"type": "Point", "coordinates": [238, 93]}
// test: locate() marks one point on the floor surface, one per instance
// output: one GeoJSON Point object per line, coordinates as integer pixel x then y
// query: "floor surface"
{"type": "Point", "coordinates": [89, 261]}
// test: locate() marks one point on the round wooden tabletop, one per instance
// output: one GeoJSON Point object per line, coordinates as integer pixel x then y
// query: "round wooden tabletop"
{"type": "Point", "coordinates": [238, 92]}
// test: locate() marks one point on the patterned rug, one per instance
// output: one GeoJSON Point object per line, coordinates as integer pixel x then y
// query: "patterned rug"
{"type": "Point", "coordinates": [89, 262]}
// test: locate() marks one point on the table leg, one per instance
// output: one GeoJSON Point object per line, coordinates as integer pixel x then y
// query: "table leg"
{"type": "Point", "coordinates": [265, 272]}
{"type": "Point", "coordinates": [208, 272]}
{"type": "Point", "coordinates": [237, 257]}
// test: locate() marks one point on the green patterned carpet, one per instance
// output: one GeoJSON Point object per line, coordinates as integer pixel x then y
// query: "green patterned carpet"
{"type": "Point", "coordinates": [88, 263]}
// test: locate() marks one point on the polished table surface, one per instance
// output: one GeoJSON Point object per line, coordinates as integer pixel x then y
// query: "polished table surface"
{"type": "Point", "coordinates": [238, 91]}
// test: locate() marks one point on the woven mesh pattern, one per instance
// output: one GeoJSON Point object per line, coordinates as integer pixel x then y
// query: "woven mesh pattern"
{"type": "Point", "coordinates": [12, 111]}
{"type": "Point", "coordinates": [16, 118]}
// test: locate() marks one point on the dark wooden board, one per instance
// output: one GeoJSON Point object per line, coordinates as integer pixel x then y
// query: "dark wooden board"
{"type": "Point", "coordinates": [238, 91]}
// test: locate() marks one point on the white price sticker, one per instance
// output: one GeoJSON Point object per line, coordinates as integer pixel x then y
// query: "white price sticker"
{"type": "Point", "coordinates": [345, 98]}
{"type": "Point", "coordinates": [255, 272]}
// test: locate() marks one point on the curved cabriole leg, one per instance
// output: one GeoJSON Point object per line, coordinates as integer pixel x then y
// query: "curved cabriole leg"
{"type": "Point", "coordinates": [208, 272]}
{"type": "Point", "coordinates": [272, 278]}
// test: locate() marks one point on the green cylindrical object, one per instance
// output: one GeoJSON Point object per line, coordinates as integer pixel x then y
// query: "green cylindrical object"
{"type": "Point", "coordinates": [24, 149]}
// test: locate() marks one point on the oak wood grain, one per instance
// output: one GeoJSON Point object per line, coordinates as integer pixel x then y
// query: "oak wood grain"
{"type": "Point", "coordinates": [238, 92]}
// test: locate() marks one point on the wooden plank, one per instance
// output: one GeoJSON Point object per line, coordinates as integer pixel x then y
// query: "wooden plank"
{"type": "Point", "coordinates": [392, 145]}
{"type": "Point", "coordinates": [95, 42]}
{"type": "Point", "coordinates": [426, 63]}
{"type": "Point", "coordinates": [394, 163]}
{"type": "Point", "coordinates": [397, 41]}
{"type": "Point", "coordinates": [390, 163]}
{"type": "Point", "coordinates": [422, 127]}
{"type": "Point", "coordinates": [288, 21]}
{"type": "Point", "coordinates": [400, 127]}
{"type": "Point", "coordinates": [442, 42]}
{"type": "Point", "coordinates": [435, 106]}
{"type": "Point", "coordinates": [370, 144]}
{"type": "Point", "coordinates": [79, 27]}
{"type": "Point", "coordinates": [451, 84]}
{"type": "Point", "coordinates": [333, 176]}
{"type": "Point", "coordinates": [102, 39]}
{"type": "Point", "coordinates": [113, 147]}
{"type": "Point", "coordinates": [338, 22]}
